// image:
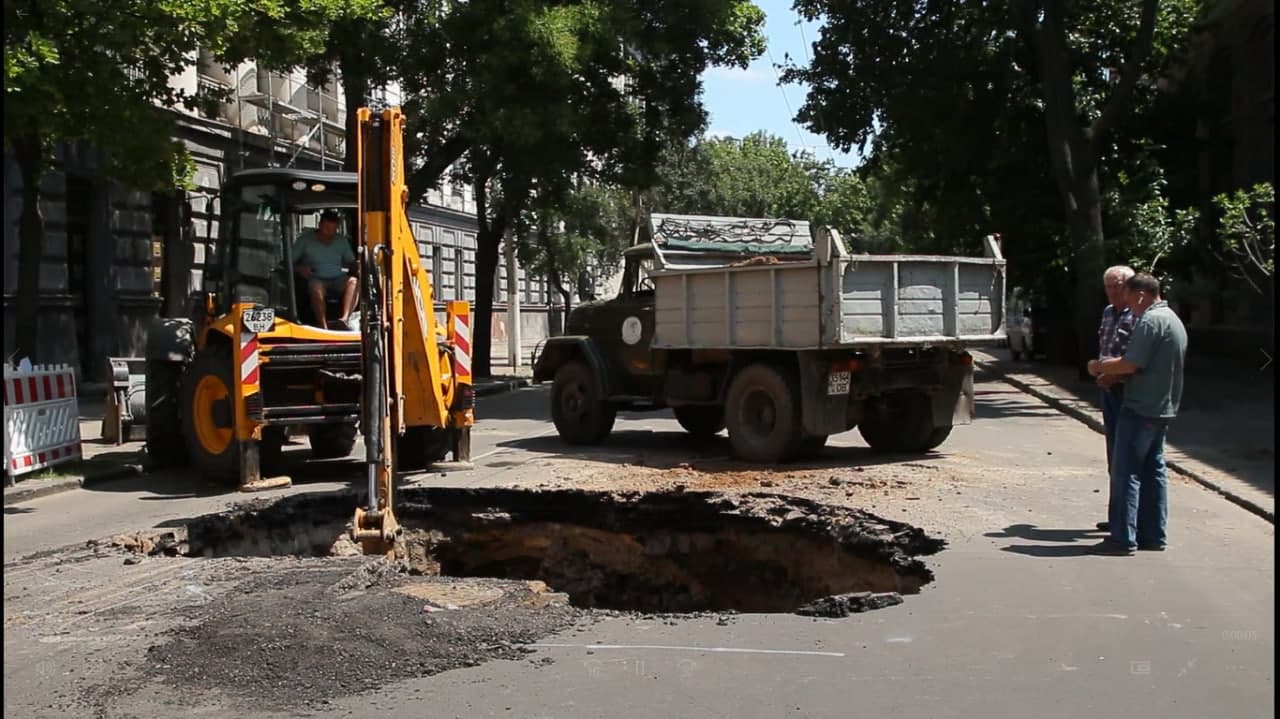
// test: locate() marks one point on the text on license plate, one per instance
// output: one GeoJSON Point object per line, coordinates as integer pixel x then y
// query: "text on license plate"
{"type": "Point", "coordinates": [838, 383]}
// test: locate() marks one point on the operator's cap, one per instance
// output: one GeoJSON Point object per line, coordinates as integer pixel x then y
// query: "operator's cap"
{"type": "Point", "coordinates": [330, 215]}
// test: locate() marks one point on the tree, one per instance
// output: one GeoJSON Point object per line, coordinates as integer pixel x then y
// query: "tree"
{"type": "Point", "coordinates": [1247, 231]}
{"type": "Point", "coordinates": [524, 94]}
{"type": "Point", "coordinates": [961, 82]}
{"type": "Point", "coordinates": [100, 72]}
{"type": "Point", "coordinates": [583, 231]}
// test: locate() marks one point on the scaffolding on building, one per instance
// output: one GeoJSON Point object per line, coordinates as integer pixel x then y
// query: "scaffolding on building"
{"type": "Point", "coordinates": [294, 117]}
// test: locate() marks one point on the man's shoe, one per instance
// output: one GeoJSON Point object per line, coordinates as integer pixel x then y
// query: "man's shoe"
{"type": "Point", "coordinates": [1103, 526]}
{"type": "Point", "coordinates": [1110, 549]}
{"type": "Point", "coordinates": [1151, 547]}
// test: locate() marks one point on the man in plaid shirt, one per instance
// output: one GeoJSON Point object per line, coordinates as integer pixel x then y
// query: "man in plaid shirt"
{"type": "Point", "coordinates": [1113, 338]}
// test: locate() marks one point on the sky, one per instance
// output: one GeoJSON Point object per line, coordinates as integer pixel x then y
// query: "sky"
{"type": "Point", "coordinates": [740, 102]}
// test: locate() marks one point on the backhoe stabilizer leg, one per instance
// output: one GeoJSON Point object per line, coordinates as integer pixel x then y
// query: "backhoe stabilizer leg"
{"type": "Point", "coordinates": [251, 479]}
{"type": "Point", "coordinates": [462, 444]}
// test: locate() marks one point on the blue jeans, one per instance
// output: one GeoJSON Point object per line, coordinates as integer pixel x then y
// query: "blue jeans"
{"type": "Point", "coordinates": [1139, 484]}
{"type": "Point", "coordinates": [1112, 400]}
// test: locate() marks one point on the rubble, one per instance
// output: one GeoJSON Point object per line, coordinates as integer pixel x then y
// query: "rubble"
{"type": "Point", "coordinates": [842, 605]}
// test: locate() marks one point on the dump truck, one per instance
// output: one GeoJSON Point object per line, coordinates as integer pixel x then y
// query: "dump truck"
{"type": "Point", "coordinates": [223, 389]}
{"type": "Point", "coordinates": [779, 334]}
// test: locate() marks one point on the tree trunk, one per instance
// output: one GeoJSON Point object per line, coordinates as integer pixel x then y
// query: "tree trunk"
{"type": "Point", "coordinates": [487, 242]}
{"type": "Point", "coordinates": [29, 153]}
{"type": "Point", "coordinates": [1084, 220]}
{"type": "Point", "coordinates": [355, 93]}
{"type": "Point", "coordinates": [1075, 149]}
{"type": "Point", "coordinates": [567, 296]}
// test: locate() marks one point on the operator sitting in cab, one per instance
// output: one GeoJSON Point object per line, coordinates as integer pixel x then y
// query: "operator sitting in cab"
{"type": "Point", "coordinates": [325, 260]}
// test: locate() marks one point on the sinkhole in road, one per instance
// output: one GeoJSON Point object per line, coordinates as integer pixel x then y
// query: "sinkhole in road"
{"type": "Point", "coordinates": [650, 552]}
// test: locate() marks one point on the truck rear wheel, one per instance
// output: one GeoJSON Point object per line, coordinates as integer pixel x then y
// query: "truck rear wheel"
{"type": "Point", "coordinates": [902, 422]}
{"type": "Point", "coordinates": [700, 420]}
{"type": "Point", "coordinates": [763, 414]}
{"type": "Point", "coordinates": [331, 441]}
{"type": "Point", "coordinates": [208, 419]}
{"type": "Point", "coordinates": [580, 414]}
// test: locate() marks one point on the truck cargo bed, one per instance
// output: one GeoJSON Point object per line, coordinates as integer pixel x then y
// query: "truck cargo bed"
{"type": "Point", "coordinates": [827, 299]}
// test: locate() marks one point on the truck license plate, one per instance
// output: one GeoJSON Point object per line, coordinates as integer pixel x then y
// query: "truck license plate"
{"type": "Point", "coordinates": [838, 383]}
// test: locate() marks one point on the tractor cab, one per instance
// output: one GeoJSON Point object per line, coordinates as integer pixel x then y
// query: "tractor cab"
{"type": "Point", "coordinates": [264, 211]}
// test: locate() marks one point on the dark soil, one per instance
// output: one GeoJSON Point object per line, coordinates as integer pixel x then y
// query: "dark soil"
{"type": "Point", "coordinates": [320, 629]}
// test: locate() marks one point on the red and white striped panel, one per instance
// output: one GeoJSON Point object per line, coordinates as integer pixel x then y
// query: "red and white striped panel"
{"type": "Point", "coordinates": [41, 418]}
{"type": "Point", "coordinates": [462, 345]}
{"type": "Point", "coordinates": [249, 373]}
{"type": "Point", "coordinates": [32, 461]}
{"type": "Point", "coordinates": [41, 386]}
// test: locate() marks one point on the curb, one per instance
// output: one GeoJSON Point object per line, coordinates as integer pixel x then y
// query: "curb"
{"type": "Point", "coordinates": [491, 389]}
{"type": "Point", "coordinates": [1096, 425]}
{"type": "Point", "coordinates": [36, 490]}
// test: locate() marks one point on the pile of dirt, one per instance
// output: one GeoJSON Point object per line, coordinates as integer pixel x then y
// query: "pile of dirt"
{"type": "Point", "coordinates": [319, 629]}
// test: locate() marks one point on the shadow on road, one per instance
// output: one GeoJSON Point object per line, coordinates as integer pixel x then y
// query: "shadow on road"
{"type": "Point", "coordinates": [1049, 552]}
{"type": "Point", "coordinates": [185, 483]}
{"type": "Point", "coordinates": [661, 449]}
{"type": "Point", "coordinates": [1069, 542]}
{"type": "Point", "coordinates": [19, 510]}
{"type": "Point", "coordinates": [1034, 533]}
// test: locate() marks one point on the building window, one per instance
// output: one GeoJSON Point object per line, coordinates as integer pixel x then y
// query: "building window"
{"type": "Point", "coordinates": [437, 267]}
{"type": "Point", "coordinates": [459, 273]}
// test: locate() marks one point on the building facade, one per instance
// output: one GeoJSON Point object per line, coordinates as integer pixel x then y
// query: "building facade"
{"type": "Point", "coordinates": [115, 258]}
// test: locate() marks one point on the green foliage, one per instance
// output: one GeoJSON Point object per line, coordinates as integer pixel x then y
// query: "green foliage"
{"type": "Point", "coordinates": [1247, 230]}
{"type": "Point", "coordinates": [954, 102]}
{"type": "Point", "coordinates": [578, 237]}
{"type": "Point", "coordinates": [557, 91]}
{"type": "Point", "coordinates": [96, 70]}
{"type": "Point", "coordinates": [757, 176]}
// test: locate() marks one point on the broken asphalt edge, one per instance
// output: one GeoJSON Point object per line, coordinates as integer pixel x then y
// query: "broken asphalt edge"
{"type": "Point", "coordinates": [1095, 424]}
{"type": "Point", "coordinates": [28, 490]}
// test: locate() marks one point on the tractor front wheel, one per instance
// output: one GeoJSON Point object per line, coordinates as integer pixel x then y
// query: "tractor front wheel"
{"type": "Point", "coordinates": [208, 422]}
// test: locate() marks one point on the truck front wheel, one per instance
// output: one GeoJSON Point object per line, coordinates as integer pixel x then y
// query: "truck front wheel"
{"type": "Point", "coordinates": [700, 420]}
{"type": "Point", "coordinates": [902, 422]}
{"type": "Point", "coordinates": [763, 414]}
{"type": "Point", "coordinates": [580, 413]}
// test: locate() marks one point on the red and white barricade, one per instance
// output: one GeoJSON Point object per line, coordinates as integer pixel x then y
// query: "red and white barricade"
{"type": "Point", "coordinates": [41, 418]}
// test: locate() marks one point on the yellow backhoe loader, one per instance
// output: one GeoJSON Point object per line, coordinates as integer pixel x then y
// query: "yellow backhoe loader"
{"type": "Point", "coordinates": [223, 390]}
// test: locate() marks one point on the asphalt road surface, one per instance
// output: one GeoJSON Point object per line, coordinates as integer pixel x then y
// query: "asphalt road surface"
{"type": "Point", "coordinates": [1020, 621]}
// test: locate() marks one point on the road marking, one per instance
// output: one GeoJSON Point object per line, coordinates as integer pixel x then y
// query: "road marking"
{"type": "Point", "coordinates": [667, 647]}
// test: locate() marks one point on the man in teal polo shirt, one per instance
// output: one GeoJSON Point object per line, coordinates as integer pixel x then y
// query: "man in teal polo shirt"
{"type": "Point", "coordinates": [324, 259]}
{"type": "Point", "coordinates": [1153, 363]}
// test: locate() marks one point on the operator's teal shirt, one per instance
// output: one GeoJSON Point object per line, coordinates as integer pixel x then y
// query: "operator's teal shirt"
{"type": "Point", "coordinates": [1158, 346]}
{"type": "Point", "coordinates": [326, 261]}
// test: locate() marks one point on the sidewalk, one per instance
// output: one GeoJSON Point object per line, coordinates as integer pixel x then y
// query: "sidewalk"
{"type": "Point", "coordinates": [104, 461]}
{"type": "Point", "coordinates": [1223, 438]}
